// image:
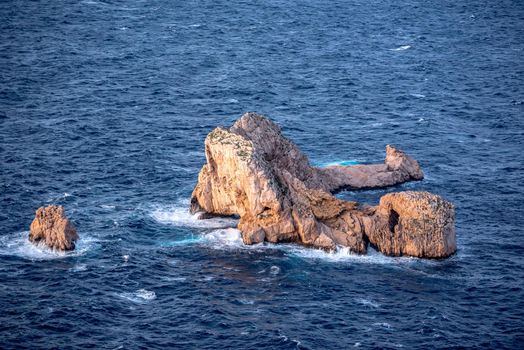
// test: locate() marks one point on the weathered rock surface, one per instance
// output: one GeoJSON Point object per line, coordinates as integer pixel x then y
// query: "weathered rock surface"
{"type": "Point", "coordinates": [51, 227]}
{"type": "Point", "coordinates": [411, 223]}
{"type": "Point", "coordinates": [253, 171]}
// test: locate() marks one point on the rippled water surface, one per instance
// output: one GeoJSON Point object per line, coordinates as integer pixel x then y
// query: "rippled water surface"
{"type": "Point", "coordinates": [104, 106]}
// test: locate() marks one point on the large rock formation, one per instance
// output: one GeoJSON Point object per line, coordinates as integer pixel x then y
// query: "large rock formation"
{"type": "Point", "coordinates": [256, 173]}
{"type": "Point", "coordinates": [51, 227]}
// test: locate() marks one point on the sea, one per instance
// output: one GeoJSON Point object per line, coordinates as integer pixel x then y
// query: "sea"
{"type": "Point", "coordinates": [104, 108]}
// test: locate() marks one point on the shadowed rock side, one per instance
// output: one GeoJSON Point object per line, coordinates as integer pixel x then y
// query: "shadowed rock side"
{"type": "Point", "coordinates": [51, 227]}
{"type": "Point", "coordinates": [256, 173]}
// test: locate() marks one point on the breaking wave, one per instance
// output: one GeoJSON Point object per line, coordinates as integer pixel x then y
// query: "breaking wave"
{"type": "Point", "coordinates": [18, 245]}
{"type": "Point", "coordinates": [180, 216]}
{"type": "Point", "coordinates": [141, 296]}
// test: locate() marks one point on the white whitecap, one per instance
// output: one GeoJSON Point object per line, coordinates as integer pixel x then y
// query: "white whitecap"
{"type": "Point", "coordinates": [222, 238]}
{"type": "Point", "coordinates": [418, 95]}
{"type": "Point", "coordinates": [140, 296]}
{"type": "Point", "coordinates": [367, 302]}
{"type": "Point", "coordinates": [18, 244]}
{"type": "Point", "coordinates": [401, 48]}
{"type": "Point", "coordinates": [231, 238]}
{"type": "Point", "coordinates": [344, 254]}
{"type": "Point", "coordinates": [79, 268]}
{"type": "Point", "coordinates": [232, 100]}
{"type": "Point", "coordinates": [180, 216]}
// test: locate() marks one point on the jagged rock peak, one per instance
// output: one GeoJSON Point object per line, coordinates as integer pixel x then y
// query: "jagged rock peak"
{"type": "Point", "coordinates": [53, 228]}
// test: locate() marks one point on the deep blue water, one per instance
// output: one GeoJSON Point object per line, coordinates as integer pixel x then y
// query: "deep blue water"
{"type": "Point", "coordinates": [104, 106]}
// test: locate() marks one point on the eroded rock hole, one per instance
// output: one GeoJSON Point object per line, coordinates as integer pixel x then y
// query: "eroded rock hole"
{"type": "Point", "coordinates": [393, 220]}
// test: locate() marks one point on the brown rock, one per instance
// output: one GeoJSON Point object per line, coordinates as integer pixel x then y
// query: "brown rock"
{"type": "Point", "coordinates": [397, 168]}
{"type": "Point", "coordinates": [53, 228]}
{"type": "Point", "coordinates": [253, 171]}
{"type": "Point", "coordinates": [410, 223]}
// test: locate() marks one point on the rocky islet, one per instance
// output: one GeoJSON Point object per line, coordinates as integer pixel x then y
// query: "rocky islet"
{"type": "Point", "coordinates": [254, 172]}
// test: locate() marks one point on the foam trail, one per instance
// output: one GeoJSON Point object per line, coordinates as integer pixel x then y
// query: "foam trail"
{"type": "Point", "coordinates": [18, 244]}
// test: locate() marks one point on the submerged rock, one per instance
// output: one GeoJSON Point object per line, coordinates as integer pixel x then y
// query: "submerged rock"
{"type": "Point", "coordinates": [253, 171]}
{"type": "Point", "coordinates": [51, 227]}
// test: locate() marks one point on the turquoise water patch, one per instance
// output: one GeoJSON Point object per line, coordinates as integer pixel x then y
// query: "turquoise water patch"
{"type": "Point", "coordinates": [338, 163]}
{"type": "Point", "coordinates": [185, 241]}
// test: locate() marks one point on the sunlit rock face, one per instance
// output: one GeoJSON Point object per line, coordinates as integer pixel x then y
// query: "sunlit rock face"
{"type": "Point", "coordinates": [253, 171]}
{"type": "Point", "coordinates": [51, 227]}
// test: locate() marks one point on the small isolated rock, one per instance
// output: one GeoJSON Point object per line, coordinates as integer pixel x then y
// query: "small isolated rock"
{"type": "Point", "coordinates": [53, 228]}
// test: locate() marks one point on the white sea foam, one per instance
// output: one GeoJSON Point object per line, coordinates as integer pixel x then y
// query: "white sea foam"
{"type": "Point", "coordinates": [180, 216]}
{"type": "Point", "coordinates": [339, 255]}
{"type": "Point", "coordinates": [79, 268]}
{"type": "Point", "coordinates": [418, 95]}
{"type": "Point", "coordinates": [219, 233]}
{"type": "Point", "coordinates": [141, 296]}
{"type": "Point", "coordinates": [401, 48]}
{"type": "Point", "coordinates": [224, 238]}
{"type": "Point", "coordinates": [382, 325]}
{"type": "Point", "coordinates": [18, 244]}
{"type": "Point", "coordinates": [231, 239]}
{"type": "Point", "coordinates": [246, 301]}
{"type": "Point", "coordinates": [367, 302]}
